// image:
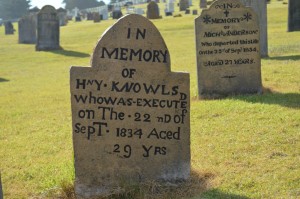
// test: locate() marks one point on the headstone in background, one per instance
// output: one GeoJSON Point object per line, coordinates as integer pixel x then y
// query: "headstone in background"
{"type": "Point", "coordinates": [294, 15]}
{"type": "Point", "coordinates": [183, 5]}
{"type": "Point", "coordinates": [187, 11]}
{"type": "Point", "coordinates": [195, 12]}
{"type": "Point", "coordinates": [170, 7]}
{"type": "Point", "coordinates": [47, 29]}
{"type": "Point", "coordinates": [227, 43]}
{"type": "Point", "coordinates": [9, 28]}
{"type": "Point", "coordinates": [27, 29]}
{"type": "Point", "coordinates": [168, 14]}
{"type": "Point", "coordinates": [130, 113]}
{"type": "Point", "coordinates": [62, 16]}
{"type": "Point", "coordinates": [75, 12]}
{"type": "Point", "coordinates": [96, 17]}
{"type": "Point", "coordinates": [153, 10]}
{"type": "Point", "coordinates": [116, 14]}
{"type": "Point", "coordinates": [89, 16]}
{"type": "Point", "coordinates": [203, 4]}
{"type": "Point", "coordinates": [78, 18]}
{"type": "Point", "coordinates": [260, 8]}
{"type": "Point", "coordinates": [139, 11]}
{"type": "Point", "coordinates": [34, 10]}
{"type": "Point", "coordinates": [104, 12]}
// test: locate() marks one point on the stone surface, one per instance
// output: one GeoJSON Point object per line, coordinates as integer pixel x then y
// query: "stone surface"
{"type": "Point", "coordinates": [170, 7]}
{"type": "Point", "coordinates": [62, 16]}
{"type": "Point", "coordinates": [195, 12]}
{"type": "Point", "coordinates": [228, 56]}
{"type": "Point", "coordinates": [130, 113]}
{"type": "Point", "coordinates": [96, 17]}
{"type": "Point", "coordinates": [294, 15]}
{"type": "Point", "coordinates": [152, 10]}
{"type": "Point", "coordinates": [27, 29]}
{"type": "Point", "coordinates": [116, 14]}
{"type": "Point", "coordinates": [183, 5]}
{"type": "Point", "coordinates": [9, 28]}
{"type": "Point", "coordinates": [203, 4]}
{"type": "Point", "coordinates": [260, 8]}
{"type": "Point", "coordinates": [47, 29]}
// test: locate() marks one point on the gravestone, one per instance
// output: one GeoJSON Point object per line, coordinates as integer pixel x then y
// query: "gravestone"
{"type": "Point", "coordinates": [89, 16]}
{"type": "Point", "coordinates": [116, 14]}
{"type": "Point", "coordinates": [195, 12]}
{"type": "Point", "coordinates": [183, 5]}
{"type": "Point", "coordinates": [187, 11]}
{"type": "Point", "coordinates": [104, 12]}
{"type": "Point", "coordinates": [9, 28]}
{"type": "Point", "coordinates": [78, 18]}
{"type": "Point", "coordinates": [170, 7]}
{"type": "Point", "coordinates": [139, 11]}
{"type": "Point", "coordinates": [294, 15]}
{"type": "Point", "coordinates": [62, 16]}
{"type": "Point", "coordinates": [260, 7]}
{"type": "Point", "coordinates": [152, 10]}
{"type": "Point", "coordinates": [228, 56]}
{"type": "Point", "coordinates": [96, 17]}
{"type": "Point", "coordinates": [27, 29]}
{"type": "Point", "coordinates": [203, 4]}
{"type": "Point", "coordinates": [47, 29]}
{"type": "Point", "coordinates": [130, 113]}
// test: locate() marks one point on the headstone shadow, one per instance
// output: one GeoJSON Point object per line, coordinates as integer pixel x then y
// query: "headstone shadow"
{"type": "Point", "coordinates": [290, 100]}
{"type": "Point", "coordinates": [70, 53]}
{"type": "Point", "coordinates": [3, 80]}
{"type": "Point", "coordinates": [283, 58]}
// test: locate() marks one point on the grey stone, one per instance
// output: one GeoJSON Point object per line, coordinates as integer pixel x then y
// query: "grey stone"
{"type": "Point", "coordinates": [125, 133]}
{"type": "Point", "coordinates": [203, 4]}
{"type": "Point", "coordinates": [152, 10]}
{"type": "Point", "coordinates": [27, 29]}
{"type": "Point", "coordinates": [96, 17]}
{"type": "Point", "coordinates": [260, 8]}
{"type": "Point", "coordinates": [47, 29]}
{"type": "Point", "coordinates": [9, 28]}
{"type": "Point", "coordinates": [227, 44]}
{"type": "Point", "coordinates": [294, 15]}
{"type": "Point", "coordinates": [183, 5]}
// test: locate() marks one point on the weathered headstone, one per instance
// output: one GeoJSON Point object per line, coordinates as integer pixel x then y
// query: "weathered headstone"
{"type": "Point", "coordinates": [152, 10]}
{"type": "Point", "coordinates": [62, 16]}
{"type": "Point", "coordinates": [187, 11]}
{"type": "Point", "coordinates": [183, 5]}
{"type": "Point", "coordinates": [195, 12]}
{"type": "Point", "coordinates": [89, 16]}
{"type": "Point", "coordinates": [130, 113]}
{"type": "Point", "coordinates": [260, 7]}
{"type": "Point", "coordinates": [294, 15]}
{"type": "Point", "coordinates": [78, 18]}
{"type": "Point", "coordinates": [47, 29]}
{"type": "Point", "coordinates": [203, 4]}
{"type": "Point", "coordinates": [27, 29]}
{"type": "Point", "coordinates": [96, 17]}
{"type": "Point", "coordinates": [228, 56]}
{"type": "Point", "coordinates": [9, 28]}
{"type": "Point", "coordinates": [116, 14]}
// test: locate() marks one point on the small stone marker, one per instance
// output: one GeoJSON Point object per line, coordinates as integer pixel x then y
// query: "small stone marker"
{"type": "Point", "coordinates": [47, 29]}
{"type": "Point", "coordinates": [152, 10]}
{"type": "Point", "coordinates": [260, 8]}
{"type": "Point", "coordinates": [96, 17]}
{"type": "Point", "coordinates": [294, 15]}
{"type": "Point", "coordinates": [195, 12]}
{"type": "Point", "coordinates": [183, 5]}
{"type": "Point", "coordinates": [130, 113]}
{"type": "Point", "coordinates": [9, 28]}
{"type": "Point", "coordinates": [27, 29]}
{"type": "Point", "coordinates": [203, 4]}
{"type": "Point", "coordinates": [228, 56]}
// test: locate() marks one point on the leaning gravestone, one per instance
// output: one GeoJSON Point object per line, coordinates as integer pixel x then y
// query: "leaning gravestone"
{"type": "Point", "coordinates": [27, 29]}
{"type": "Point", "coordinates": [183, 5]}
{"type": "Point", "coordinates": [47, 29]}
{"type": "Point", "coordinates": [9, 28]}
{"type": "Point", "coordinates": [228, 56]}
{"type": "Point", "coordinates": [260, 8]}
{"type": "Point", "coordinates": [130, 113]}
{"type": "Point", "coordinates": [294, 16]}
{"type": "Point", "coordinates": [152, 10]}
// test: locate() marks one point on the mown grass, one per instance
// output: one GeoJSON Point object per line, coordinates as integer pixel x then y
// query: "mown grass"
{"type": "Point", "coordinates": [242, 146]}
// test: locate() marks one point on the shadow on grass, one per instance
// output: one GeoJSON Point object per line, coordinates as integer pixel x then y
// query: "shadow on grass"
{"type": "Point", "coordinates": [3, 80]}
{"type": "Point", "coordinates": [283, 58]}
{"type": "Point", "coordinates": [290, 100]}
{"type": "Point", "coordinates": [215, 193]}
{"type": "Point", "coordinates": [70, 53]}
{"type": "Point", "coordinates": [195, 186]}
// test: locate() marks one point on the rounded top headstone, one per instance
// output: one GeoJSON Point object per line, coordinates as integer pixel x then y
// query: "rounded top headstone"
{"type": "Point", "coordinates": [132, 41]}
{"type": "Point", "coordinates": [48, 9]}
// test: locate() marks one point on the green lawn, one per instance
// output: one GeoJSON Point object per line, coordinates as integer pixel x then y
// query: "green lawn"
{"type": "Point", "coordinates": [242, 146]}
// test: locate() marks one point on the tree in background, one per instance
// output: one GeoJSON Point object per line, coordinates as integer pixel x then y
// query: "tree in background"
{"type": "Point", "coordinates": [81, 4]}
{"type": "Point", "coordinates": [13, 9]}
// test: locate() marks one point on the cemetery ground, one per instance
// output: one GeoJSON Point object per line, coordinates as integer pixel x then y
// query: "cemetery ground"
{"type": "Point", "coordinates": [241, 146]}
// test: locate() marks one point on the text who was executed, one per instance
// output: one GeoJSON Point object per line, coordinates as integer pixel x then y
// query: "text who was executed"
{"type": "Point", "coordinates": [130, 113]}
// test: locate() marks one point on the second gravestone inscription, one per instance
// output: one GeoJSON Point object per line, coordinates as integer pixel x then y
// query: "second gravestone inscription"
{"type": "Point", "coordinates": [130, 113]}
{"type": "Point", "coordinates": [228, 51]}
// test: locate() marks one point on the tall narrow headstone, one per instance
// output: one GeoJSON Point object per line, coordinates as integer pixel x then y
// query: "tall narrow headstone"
{"type": "Point", "coordinates": [183, 5]}
{"type": "Point", "coordinates": [9, 28]}
{"type": "Point", "coordinates": [203, 4]}
{"type": "Point", "coordinates": [294, 15]}
{"type": "Point", "coordinates": [228, 56]}
{"type": "Point", "coordinates": [27, 29]}
{"type": "Point", "coordinates": [152, 10]}
{"type": "Point", "coordinates": [130, 113]}
{"type": "Point", "coordinates": [260, 8]}
{"type": "Point", "coordinates": [47, 29]}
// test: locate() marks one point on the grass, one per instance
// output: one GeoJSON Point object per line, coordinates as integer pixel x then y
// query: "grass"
{"type": "Point", "coordinates": [242, 146]}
